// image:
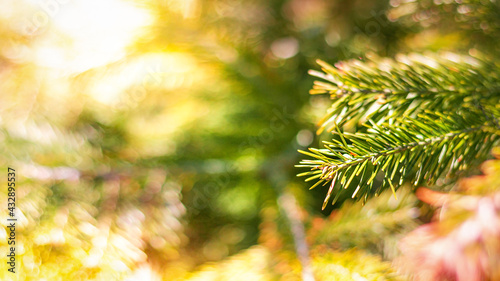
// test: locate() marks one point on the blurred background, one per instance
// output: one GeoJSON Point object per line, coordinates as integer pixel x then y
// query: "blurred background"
{"type": "Point", "coordinates": [156, 140]}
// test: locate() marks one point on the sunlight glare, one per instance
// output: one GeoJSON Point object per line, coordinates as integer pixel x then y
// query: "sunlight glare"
{"type": "Point", "coordinates": [98, 33]}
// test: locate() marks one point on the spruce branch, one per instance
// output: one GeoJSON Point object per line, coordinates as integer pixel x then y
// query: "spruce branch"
{"type": "Point", "coordinates": [412, 150]}
{"type": "Point", "coordinates": [382, 89]}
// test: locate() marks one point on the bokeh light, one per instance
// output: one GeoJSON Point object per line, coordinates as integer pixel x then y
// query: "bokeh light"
{"type": "Point", "coordinates": [156, 140]}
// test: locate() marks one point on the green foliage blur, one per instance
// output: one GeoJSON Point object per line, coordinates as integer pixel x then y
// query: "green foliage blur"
{"type": "Point", "coordinates": [154, 140]}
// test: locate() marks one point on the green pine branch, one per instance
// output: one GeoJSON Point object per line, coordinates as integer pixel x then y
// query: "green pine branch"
{"type": "Point", "coordinates": [382, 89]}
{"type": "Point", "coordinates": [412, 150]}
